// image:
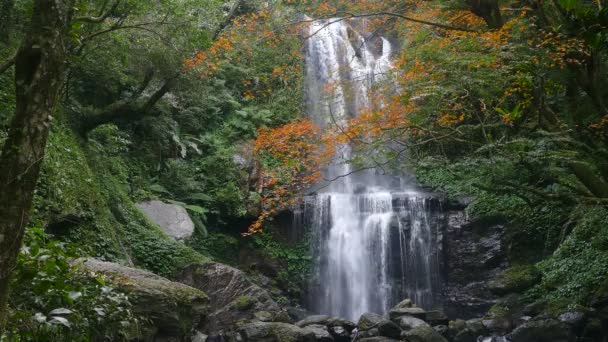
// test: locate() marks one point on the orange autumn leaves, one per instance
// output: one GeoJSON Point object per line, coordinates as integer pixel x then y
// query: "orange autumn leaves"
{"type": "Point", "coordinates": [292, 156]}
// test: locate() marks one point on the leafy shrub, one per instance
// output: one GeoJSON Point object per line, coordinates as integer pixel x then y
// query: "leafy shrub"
{"type": "Point", "coordinates": [52, 301]}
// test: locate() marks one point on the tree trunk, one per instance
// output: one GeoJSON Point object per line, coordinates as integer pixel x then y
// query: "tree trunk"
{"type": "Point", "coordinates": [488, 10]}
{"type": "Point", "coordinates": [39, 69]}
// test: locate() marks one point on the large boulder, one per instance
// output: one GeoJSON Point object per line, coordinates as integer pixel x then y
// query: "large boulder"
{"type": "Point", "coordinates": [232, 295]}
{"type": "Point", "coordinates": [369, 320]}
{"type": "Point", "coordinates": [396, 313]}
{"type": "Point", "coordinates": [389, 329]}
{"type": "Point", "coordinates": [410, 322]}
{"type": "Point", "coordinates": [274, 332]}
{"type": "Point", "coordinates": [320, 331]}
{"type": "Point", "coordinates": [172, 218]}
{"type": "Point", "coordinates": [174, 309]}
{"type": "Point", "coordinates": [423, 334]}
{"type": "Point", "coordinates": [546, 330]}
{"type": "Point", "coordinates": [314, 319]}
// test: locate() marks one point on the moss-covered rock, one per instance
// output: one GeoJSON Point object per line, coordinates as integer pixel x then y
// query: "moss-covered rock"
{"type": "Point", "coordinates": [173, 309]}
{"type": "Point", "coordinates": [516, 280]}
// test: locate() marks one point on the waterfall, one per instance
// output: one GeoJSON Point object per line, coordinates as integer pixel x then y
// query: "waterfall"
{"type": "Point", "coordinates": [373, 237]}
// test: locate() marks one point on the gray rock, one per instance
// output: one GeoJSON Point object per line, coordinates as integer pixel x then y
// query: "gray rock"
{"type": "Point", "coordinates": [173, 308]}
{"type": "Point", "coordinates": [232, 295]}
{"type": "Point", "coordinates": [263, 316]}
{"type": "Point", "coordinates": [340, 334]}
{"type": "Point", "coordinates": [436, 318]}
{"type": "Point", "coordinates": [406, 303]}
{"type": "Point", "coordinates": [172, 218]}
{"type": "Point", "coordinates": [465, 335]}
{"type": "Point", "coordinates": [475, 254]}
{"type": "Point", "coordinates": [377, 339]}
{"type": "Point", "coordinates": [394, 314]}
{"type": "Point", "coordinates": [575, 319]}
{"type": "Point", "coordinates": [199, 337]}
{"type": "Point", "coordinates": [369, 320]}
{"type": "Point", "coordinates": [423, 334]}
{"type": "Point", "coordinates": [320, 331]}
{"type": "Point", "coordinates": [373, 332]}
{"type": "Point", "coordinates": [410, 322]}
{"type": "Point", "coordinates": [341, 322]}
{"type": "Point", "coordinates": [389, 329]}
{"type": "Point", "coordinates": [315, 319]}
{"type": "Point", "coordinates": [476, 326]}
{"type": "Point", "coordinates": [548, 330]}
{"type": "Point", "coordinates": [442, 330]}
{"type": "Point", "coordinates": [274, 332]}
{"type": "Point", "coordinates": [498, 325]}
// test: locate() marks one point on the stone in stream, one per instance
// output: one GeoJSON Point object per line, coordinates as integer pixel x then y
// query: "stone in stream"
{"type": "Point", "coordinates": [340, 334]}
{"type": "Point", "coordinates": [341, 322]}
{"type": "Point", "coordinates": [173, 219]}
{"type": "Point", "coordinates": [368, 321]}
{"type": "Point", "coordinates": [314, 319]}
{"type": "Point", "coordinates": [274, 332]}
{"type": "Point", "coordinates": [320, 331]}
{"type": "Point", "coordinates": [436, 318]}
{"type": "Point", "coordinates": [377, 339]}
{"type": "Point", "coordinates": [546, 330]}
{"type": "Point", "coordinates": [423, 334]}
{"type": "Point", "coordinates": [389, 329]}
{"type": "Point", "coordinates": [410, 322]}
{"type": "Point", "coordinates": [395, 313]}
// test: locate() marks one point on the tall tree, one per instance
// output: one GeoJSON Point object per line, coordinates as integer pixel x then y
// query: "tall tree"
{"type": "Point", "coordinates": [39, 70]}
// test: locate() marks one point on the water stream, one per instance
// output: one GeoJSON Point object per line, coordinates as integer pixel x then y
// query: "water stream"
{"type": "Point", "coordinates": [374, 235]}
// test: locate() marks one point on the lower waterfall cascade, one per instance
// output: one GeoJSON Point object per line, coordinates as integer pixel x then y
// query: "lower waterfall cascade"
{"type": "Point", "coordinates": [374, 236]}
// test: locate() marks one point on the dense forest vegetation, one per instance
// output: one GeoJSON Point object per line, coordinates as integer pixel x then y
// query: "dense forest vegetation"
{"type": "Point", "coordinates": [198, 103]}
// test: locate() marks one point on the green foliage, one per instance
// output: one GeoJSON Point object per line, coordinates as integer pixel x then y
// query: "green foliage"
{"type": "Point", "coordinates": [52, 301]}
{"type": "Point", "coordinates": [221, 247]}
{"type": "Point", "coordinates": [580, 264]}
{"type": "Point", "coordinates": [296, 260]}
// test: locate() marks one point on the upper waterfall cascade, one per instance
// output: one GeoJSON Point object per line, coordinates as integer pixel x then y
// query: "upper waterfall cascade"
{"type": "Point", "coordinates": [374, 235]}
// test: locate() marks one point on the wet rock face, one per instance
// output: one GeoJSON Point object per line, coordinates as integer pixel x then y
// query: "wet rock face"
{"type": "Point", "coordinates": [232, 295]}
{"type": "Point", "coordinates": [172, 218]}
{"type": "Point", "coordinates": [474, 255]}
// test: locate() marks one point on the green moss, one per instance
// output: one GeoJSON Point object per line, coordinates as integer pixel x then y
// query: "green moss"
{"type": "Point", "coordinates": [243, 303]}
{"type": "Point", "coordinates": [516, 279]}
{"type": "Point", "coordinates": [83, 197]}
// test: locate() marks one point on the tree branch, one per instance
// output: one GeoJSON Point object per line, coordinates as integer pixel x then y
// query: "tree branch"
{"type": "Point", "coordinates": [8, 63]}
{"type": "Point", "coordinates": [231, 14]}
{"type": "Point", "coordinates": [102, 17]}
{"type": "Point", "coordinates": [348, 15]}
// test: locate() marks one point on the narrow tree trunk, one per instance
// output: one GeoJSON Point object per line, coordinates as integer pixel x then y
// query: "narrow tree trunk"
{"type": "Point", "coordinates": [39, 69]}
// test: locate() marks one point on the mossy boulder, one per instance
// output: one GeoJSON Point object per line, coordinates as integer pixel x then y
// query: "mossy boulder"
{"type": "Point", "coordinates": [516, 280]}
{"type": "Point", "coordinates": [174, 309]}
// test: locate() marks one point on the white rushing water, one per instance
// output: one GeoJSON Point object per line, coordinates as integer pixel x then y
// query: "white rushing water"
{"type": "Point", "coordinates": [373, 240]}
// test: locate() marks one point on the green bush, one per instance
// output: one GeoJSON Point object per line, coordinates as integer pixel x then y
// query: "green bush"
{"type": "Point", "coordinates": [52, 301]}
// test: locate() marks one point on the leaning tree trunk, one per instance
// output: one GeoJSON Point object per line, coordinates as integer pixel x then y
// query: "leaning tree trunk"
{"type": "Point", "coordinates": [39, 69]}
